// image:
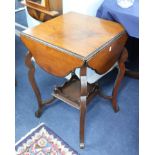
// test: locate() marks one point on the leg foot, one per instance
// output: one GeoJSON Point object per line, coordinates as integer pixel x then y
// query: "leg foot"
{"type": "Point", "coordinates": [82, 145]}
{"type": "Point", "coordinates": [115, 106]}
{"type": "Point", "coordinates": [38, 113]}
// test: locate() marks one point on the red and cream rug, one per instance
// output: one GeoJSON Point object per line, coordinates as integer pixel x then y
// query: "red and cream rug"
{"type": "Point", "coordinates": [43, 141]}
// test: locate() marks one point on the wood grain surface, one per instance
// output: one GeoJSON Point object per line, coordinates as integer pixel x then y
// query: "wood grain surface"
{"type": "Point", "coordinates": [51, 60]}
{"type": "Point", "coordinates": [77, 33]}
{"type": "Point", "coordinates": [50, 10]}
{"type": "Point", "coordinates": [107, 57]}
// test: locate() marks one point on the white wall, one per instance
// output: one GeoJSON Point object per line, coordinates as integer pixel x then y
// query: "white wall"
{"type": "Point", "coordinates": [88, 7]}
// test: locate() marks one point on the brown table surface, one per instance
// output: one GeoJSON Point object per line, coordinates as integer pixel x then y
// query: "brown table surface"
{"type": "Point", "coordinates": [78, 34]}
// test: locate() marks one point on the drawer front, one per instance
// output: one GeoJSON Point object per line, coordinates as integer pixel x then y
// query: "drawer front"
{"type": "Point", "coordinates": [102, 61]}
{"type": "Point", "coordinates": [51, 60]}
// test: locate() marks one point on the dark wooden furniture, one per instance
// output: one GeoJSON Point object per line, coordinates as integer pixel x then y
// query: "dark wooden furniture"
{"type": "Point", "coordinates": [73, 40]}
{"type": "Point", "coordinates": [43, 10]}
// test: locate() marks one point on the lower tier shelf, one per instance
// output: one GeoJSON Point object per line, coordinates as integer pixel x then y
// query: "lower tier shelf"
{"type": "Point", "coordinates": [70, 92]}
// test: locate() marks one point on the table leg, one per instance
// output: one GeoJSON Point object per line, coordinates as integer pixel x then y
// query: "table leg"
{"type": "Point", "coordinates": [31, 72]}
{"type": "Point", "coordinates": [83, 100]}
{"type": "Point", "coordinates": [121, 72]}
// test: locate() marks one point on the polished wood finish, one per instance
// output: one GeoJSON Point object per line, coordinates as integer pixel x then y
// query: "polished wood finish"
{"type": "Point", "coordinates": [44, 5]}
{"type": "Point", "coordinates": [52, 61]}
{"type": "Point", "coordinates": [56, 5]}
{"type": "Point", "coordinates": [83, 102]}
{"type": "Point", "coordinates": [108, 56]}
{"type": "Point", "coordinates": [97, 43]}
{"type": "Point", "coordinates": [41, 104]}
{"type": "Point", "coordinates": [63, 44]}
{"type": "Point", "coordinates": [43, 13]}
{"type": "Point", "coordinates": [70, 92]}
{"type": "Point", "coordinates": [121, 72]}
{"type": "Point", "coordinates": [79, 43]}
{"type": "Point", "coordinates": [75, 34]}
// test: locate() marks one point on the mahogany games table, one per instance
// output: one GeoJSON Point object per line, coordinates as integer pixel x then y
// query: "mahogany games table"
{"type": "Point", "coordinates": [71, 41]}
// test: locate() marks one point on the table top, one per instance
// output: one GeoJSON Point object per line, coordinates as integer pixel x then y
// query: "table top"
{"type": "Point", "coordinates": [79, 35]}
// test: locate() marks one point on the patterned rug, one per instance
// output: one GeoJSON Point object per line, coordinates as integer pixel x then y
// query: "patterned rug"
{"type": "Point", "coordinates": [43, 141]}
